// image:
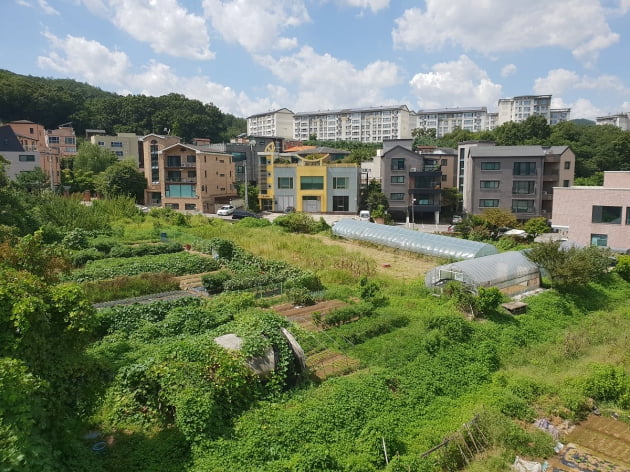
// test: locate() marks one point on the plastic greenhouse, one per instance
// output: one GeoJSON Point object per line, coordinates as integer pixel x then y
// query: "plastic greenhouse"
{"type": "Point", "coordinates": [413, 241]}
{"type": "Point", "coordinates": [511, 272]}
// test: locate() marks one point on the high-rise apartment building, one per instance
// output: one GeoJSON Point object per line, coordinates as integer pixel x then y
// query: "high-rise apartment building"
{"type": "Point", "coordinates": [620, 120]}
{"type": "Point", "coordinates": [447, 120]}
{"type": "Point", "coordinates": [518, 109]}
{"type": "Point", "coordinates": [271, 124]}
{"type": "Point", "coordinates": [368, 125]}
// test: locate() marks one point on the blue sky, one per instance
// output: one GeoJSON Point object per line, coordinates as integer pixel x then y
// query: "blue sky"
{"type": "Point", "coordinates": [252, 56]}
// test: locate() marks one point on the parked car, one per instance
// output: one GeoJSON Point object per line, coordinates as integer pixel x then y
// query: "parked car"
{"type": "Point", "coordinates": [457, 219]}
{"type": "Point", "coordinates": [240, 214]}
{"type": "Point", "coordinates": [364, 215]}
{"type": "Point", "coordinates": [226, 210]}
{"type": "Point", "coordinates": [289, 209]}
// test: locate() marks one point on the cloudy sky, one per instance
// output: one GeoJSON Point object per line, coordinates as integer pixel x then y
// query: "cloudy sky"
{"type": "Point", "coordinates": [252, 56]}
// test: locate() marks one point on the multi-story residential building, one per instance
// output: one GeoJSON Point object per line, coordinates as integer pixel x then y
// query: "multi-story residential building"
{"type": "Point", "coordinates": [124, 145]}
{"type": "Point", "coordinates": [152, 144]}
{"type": "Point", "coordinates": [195, 178]}
{"type": "Point", "coordinates": [598, 216]}
{"type": "Point", "coordinates": [412, 183]}
{"type": "Point", "coordinates": [55, 147]}
{"type": "Point", "coordinates": [312, 181]}
{"type": "Point", "coordinates": [519, 179]}
{"type": "Point", "coordinates": [355, 124]}
{"type": "Point", "coordinates": [21, 157]}
{"type": "Point", "coordinates": [620, 120]}
{"type": "Point", "coordinates": [520, 108]}
{"type": "Point", "coordinates": [447, 120]}
{"type": "Point", "coordinates": [277, 123]}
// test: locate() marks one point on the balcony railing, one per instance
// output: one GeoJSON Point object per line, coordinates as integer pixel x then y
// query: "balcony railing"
{"type": "Point", "coordinates": [178, 165]}
{"type": "Point", "coordinates": [174, 180]}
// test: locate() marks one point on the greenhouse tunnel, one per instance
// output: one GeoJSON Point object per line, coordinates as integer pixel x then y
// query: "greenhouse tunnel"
{"type": "Point", "coordinates": [411, 240]}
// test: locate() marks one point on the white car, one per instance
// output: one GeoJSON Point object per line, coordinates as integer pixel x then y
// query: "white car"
{"type": "Point", "coordinates": [226, 210]}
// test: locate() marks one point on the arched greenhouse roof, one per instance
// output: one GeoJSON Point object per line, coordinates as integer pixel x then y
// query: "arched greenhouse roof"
{"type": "Point", "coordinates": [499, 270]}
{"type": "Point", "coordinates": [413, 241]}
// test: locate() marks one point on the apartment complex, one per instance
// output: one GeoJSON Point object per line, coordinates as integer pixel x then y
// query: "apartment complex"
{"type": "Point", "coordinates": [598, 216]}
{"type": "Point", "coordinates": [447, 120]}
{"type": "Point", "coordinates": [518, 109]}
{"type": "Point", "coordinates": [519, 179]}
{"type": "Point", "coordinates": [274, 123]}
{"type": "Point", "coordinates": [123, 145]}
{"type": "Point", "coordinates": [312, 181]}
{"type": "Point", "coordinates": [620, 120]}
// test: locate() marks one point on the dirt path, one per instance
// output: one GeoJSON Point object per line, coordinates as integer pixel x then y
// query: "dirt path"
{"type": "Point", "coordinates": [390, 262]}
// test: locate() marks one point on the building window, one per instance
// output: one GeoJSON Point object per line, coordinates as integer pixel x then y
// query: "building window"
{"type": "Point", "coordinates": [190, 206]}
{"type": "Point", "coordinates": [341, 203]}
{"type": "Point", "coordinates": [522, 206]}
{"type": "Point", "coordinates": [397, 196]}
{"type": "Point", "coordinates": [53, 139]}
{"type": "Point", "coordinates": [102, 143]}
{"type": "Point", "coordinates": [340, 183]}
{"type": "Point", "coordinates": [523, 187]}
{"type": "Point", "coordinates": [118, 153]}
{"type": "Point", "coordinates": [116, 144]}
{"type": "Point", "coordinates": [26, 158]}
{"type": "Point", "coordinates": [397, 179]}
{"type": "Point", "coordinates": [606, 214]}
{"type": "Point", "coordinates": [311, 183]}
{"type": "Point", "coordinates": [489, 203]}
{"type": "Point", "coordinates": [599, 240]}
{"type": "Point", "coordinates": [567, 165]}
{"type": "Point", "coordinates": [490, 166]}
{"type": "Point", "coordinates": [285, 182]}
{"type": "Point", "coordinates": [398, 164]}
{"type": "Point", "coordinates": [628, 215]}
{"type": "Point", "coordinates": [69, 140]}
{"type": "Point", "coordinates": [191, 158]}
{"type": "Point", "coordinates": [444, 162]}
{"type": "Point", "coordinates": [444, 177]}
{"type": "Point", "coordinates": [565, 183]}
{"type": "Point", "coordinates": [173, 161]}
{"type": "Point", "coordinates": [524, 168]}
{"type": "Point", "coordinates": [489, 184]}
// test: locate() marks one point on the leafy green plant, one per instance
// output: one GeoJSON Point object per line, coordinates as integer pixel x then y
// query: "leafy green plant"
{"type": "Point", "coordinates": [215, 282]}
{"type": "Point", "coordinates": [129, 286]}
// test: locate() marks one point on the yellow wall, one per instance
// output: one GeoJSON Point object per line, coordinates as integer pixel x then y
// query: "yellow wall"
{"type": "Point", "coordinates": [311, 171]}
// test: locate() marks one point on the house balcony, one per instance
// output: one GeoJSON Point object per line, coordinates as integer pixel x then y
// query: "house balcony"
{"type": "Point", "coordinates": [175, 180]}
{"type": "Point", "coordinates": [426, 171]}
{"type": "Point", "coordinates": [180, 165]}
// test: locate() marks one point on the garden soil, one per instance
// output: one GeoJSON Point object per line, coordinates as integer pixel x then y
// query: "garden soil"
{"type": "Point", "coordinates": [598, 444]}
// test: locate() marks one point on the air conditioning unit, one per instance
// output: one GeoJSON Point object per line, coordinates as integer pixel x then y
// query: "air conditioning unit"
{"type": "Point", "coordinates": [413, 169]}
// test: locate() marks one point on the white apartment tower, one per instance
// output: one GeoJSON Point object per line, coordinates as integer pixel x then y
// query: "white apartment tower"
{"type": "Point", "coordinates": [278, 123]}
{"type": "Point", "coordinates": [355, 124]}
{"type": "Point", "coordinates": [447, 120]}
{"type": "Point", "coordinates": [620, 120]}
{"type": "Point", "coordinates": [520, 108]}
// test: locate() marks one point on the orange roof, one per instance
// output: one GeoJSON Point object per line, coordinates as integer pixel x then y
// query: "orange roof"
{"type": "Point", "coordinates": [299, 148]}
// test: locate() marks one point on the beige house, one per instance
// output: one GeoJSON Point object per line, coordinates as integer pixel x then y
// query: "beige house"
{"type": "Point", "coordinates": [598, 216]}
{"type": "Point", "coordinates": [124, 145]}
{"type": "Point", "coordinates": [152, 144]}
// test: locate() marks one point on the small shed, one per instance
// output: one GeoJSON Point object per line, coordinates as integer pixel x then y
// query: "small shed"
{"type": "Point", "coordinates": [511, 272]}
{"type": "Point", "coordinates": [411, 240]}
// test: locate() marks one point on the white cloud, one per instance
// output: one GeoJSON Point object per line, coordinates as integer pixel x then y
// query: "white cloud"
{"type": "Point", "coordinates": [92, 62]}
{"type": "Point", "coordinates": [374, 5]}
{"type": "Point", "coordinates": [165, 25]}
{"type": "Point", "coordinates": [497, 25]}
{"type": "Point", "coordinates": [581, 108]}
{"type": "Point", "coordinates": [561, 80]}
{"type": "Point", "coordinates": [89, 60]}
{"type": "Point", "coordinates": [46, 8]}
{"type": "Point", "coordinates": [256, 24]}
{"type": "Point", "coordinates": [508, 70]}
{"type": "Point", "coordinates": [23, 3]}
{"type": "Point", "coordinates": [456, 83]}
{"type": "Point", "coordinates": [325, 82]}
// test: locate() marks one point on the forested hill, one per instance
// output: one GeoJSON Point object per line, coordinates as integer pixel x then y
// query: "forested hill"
{"type": "Point", "coordinates": [52, 102]}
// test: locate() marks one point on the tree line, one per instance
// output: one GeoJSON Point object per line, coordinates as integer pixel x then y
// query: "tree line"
{"type": "Point", "coordinates": [52, 102]}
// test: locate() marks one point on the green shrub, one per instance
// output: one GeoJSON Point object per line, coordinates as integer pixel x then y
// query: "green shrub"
{"type": "Point", "coordinates": [348, 313]}
{"type": "Point", "coordinates": [606, 383]}
{"type": "Point", "coordinates": [297, 223]}
{"type": "Point", "coordinates": [215, 282]}
{"type": "Point", "coordinates": [76, 239]}
{"type": "Point", "coordinates": [129, 286]}
{"type": "Point", "coordinates": [300, 296]}
{"type": "Point", "coordinates": [487, 300]}
{"type": "Point", "coordinates": [623, 267]}
{"type": "Point", "coordinates": [80, 258]}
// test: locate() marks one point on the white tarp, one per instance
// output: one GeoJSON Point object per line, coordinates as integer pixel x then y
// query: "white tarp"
{"type": "Point", "coordinates": [521, 465]}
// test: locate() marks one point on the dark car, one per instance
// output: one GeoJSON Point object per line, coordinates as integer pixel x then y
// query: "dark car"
{"type": "Point", "coordinates": [240, 214]}
{"type": "Point", "coordinates": [289, 209]}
